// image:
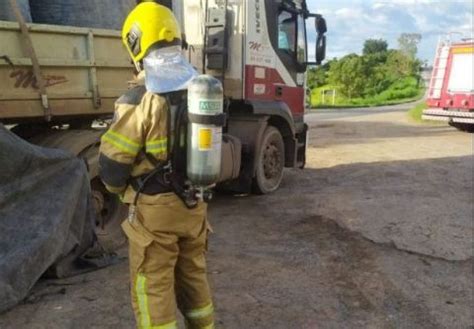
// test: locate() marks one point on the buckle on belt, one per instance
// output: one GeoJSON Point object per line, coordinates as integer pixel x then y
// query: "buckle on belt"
{"type": "Point", "coordinates": [167, 171]}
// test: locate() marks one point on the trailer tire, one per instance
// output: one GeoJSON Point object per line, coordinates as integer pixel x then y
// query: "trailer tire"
{"type": "Point", "coordinates": [270, 162]}
{"type": "Point", "coordinates": [110, 211]}
{"type": "Point", "coordinates": [466, 127]}
{"type": "Point", "coordinates": [84, 143]}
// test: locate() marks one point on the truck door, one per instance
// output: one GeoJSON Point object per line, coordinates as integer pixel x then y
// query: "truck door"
{"type": "Point", "coordinates": [289, 40]}
{"type": "Point", "coordinates": [275, 61]}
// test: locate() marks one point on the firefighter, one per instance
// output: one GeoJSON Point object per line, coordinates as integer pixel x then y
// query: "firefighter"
{"type": "Point", "coordinates": [167, 230]}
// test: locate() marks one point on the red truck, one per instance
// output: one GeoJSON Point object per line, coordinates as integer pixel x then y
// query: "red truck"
{"type": "Point", "coordinates": [451, 91]}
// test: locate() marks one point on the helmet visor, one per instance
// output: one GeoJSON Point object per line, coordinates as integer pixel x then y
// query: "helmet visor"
{"type": "Point", "coordinates": [166, 70]}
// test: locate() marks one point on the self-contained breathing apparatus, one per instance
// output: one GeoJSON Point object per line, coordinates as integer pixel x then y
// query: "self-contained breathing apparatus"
{"type": "Point", "coordinates": [194, 146]}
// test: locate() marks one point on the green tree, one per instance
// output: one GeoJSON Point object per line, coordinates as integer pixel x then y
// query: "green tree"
{"type": "Point", "coordinates": [408, 44]}
{"type": "Point", "coordinates": [375, 68]}
{"type": "Point", "coordinates": [375, 46]}
{"type": "Point", "coordinates": [379, 71]}
{"type": "Point", "coordinates": [350, 74]}
{"type": "Point", "coordinates": [377, 79]}
{"type": "Point", "coordinates": [317, 77]}
{"type": "Point", "coordinates": [398, 65]}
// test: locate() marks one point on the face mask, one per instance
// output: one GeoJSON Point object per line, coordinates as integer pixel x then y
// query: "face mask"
{"type": "Point", "coordinates": [166, 70]}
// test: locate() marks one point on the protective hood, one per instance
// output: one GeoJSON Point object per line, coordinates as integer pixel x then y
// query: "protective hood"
{"type": "Point", "coordinates": [166, 70]}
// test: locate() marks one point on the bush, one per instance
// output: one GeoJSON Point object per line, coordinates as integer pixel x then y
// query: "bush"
{"type": "Point", "coordinates": [403, 89]}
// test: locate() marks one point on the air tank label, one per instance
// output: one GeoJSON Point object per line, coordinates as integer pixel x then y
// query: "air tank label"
{"type": "Point", "coordinates": [205, 139]}
{"type": "Point", "coordinates": [210, 106]}
{"type": "Point", "coordinates": [209, 138]}
{"type": "Point", "coordinates": [206, 106]}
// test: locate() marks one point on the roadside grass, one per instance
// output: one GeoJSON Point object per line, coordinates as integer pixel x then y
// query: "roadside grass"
{"type": "Point", "coordinates": [416, 112]}
{"type": "Point", "coordinates": [403, 91]}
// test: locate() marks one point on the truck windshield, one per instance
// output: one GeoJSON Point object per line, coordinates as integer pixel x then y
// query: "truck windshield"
{"type": "Point", "coordinates": [292, 35]}
{"type": "Point", "coordinates": [287, 32]}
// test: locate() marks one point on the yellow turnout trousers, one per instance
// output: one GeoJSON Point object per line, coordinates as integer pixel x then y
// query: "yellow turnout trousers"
{"type": "Point", "coordinates": [167, 244]}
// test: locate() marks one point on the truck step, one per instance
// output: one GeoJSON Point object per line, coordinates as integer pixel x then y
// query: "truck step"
{"type": "Point", "coordinates": [211, 26]}
{"type": "Point", "coordinates": [443, 113]}
{"type": "Point", "coordinates": [447, 119]}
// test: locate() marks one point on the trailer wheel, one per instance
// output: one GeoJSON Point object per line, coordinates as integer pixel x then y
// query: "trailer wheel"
{"type": "Point", "coordinates": [466, 127]}
{"type": "Point", "coordinates": [270, 162]}
{"type": "Point", "coordinates": [84, 143]}
{"type": "Point", "coordinates": [110, 211]}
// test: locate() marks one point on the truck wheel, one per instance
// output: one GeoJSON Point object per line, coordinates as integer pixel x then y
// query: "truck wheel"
{"type": "Point", "coordinates": [110, 211]}
{"type": "Point", "coordinates": [270, 162]}
{"type": "Point", "coordinates": [466, 127]}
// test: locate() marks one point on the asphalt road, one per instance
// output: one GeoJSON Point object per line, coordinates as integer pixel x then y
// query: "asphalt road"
{"type": "Point", "coordinates": [376, 232]}
{"type": "Point", "coordinates": [321, 115]}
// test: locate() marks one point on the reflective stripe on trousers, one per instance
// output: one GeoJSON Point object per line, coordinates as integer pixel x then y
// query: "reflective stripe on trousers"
{"type": "Point", "coordinates": [200, 313]}
{"type": "Point", "coordinates": [145, 320]}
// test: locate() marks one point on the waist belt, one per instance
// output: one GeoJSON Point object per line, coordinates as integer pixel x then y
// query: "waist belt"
{"type": "Point", "coordinates": [153, 186]}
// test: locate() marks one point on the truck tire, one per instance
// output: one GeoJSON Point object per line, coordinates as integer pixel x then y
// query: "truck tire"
{"type": "Point", "coordinates": [270, 162]}
{"type": "Point", "coordinates": [466, 127]}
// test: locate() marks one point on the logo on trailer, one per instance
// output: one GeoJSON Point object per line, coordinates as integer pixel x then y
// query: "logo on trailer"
{"type": "Point", "coordinates": [26, 79]}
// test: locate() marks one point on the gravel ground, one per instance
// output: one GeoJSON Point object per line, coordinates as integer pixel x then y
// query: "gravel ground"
{"type": "Point", "coordinates": [377, 232]}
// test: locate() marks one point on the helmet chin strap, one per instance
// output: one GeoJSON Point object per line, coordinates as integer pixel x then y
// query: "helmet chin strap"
{"type": "Point", "coordinates": [138, 66]}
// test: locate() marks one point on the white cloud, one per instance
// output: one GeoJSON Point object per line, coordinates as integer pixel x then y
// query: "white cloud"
{"type": "Point", "coordinates": [350, 23]}
{"type": "Point", "coordinates": [348, 12]}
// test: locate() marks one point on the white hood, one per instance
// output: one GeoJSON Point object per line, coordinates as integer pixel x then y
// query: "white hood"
{"type": "Point", "coordinates": [166, 70]}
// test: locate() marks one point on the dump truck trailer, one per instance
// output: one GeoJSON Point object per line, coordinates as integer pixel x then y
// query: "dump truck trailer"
{"type": "Point", "coordinates": [58, 85]}
{"type": "Point", "coordinates": [451, 92]}
{"type": "Point", "coordinates": [81, 82]}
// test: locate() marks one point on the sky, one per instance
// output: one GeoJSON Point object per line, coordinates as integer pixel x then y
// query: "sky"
{"type": "Point", "coordinates": [351, 22]}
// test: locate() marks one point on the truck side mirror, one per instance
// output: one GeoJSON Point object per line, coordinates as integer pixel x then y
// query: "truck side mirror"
{"type": "Point", "coordinates": [320, 23]}
{"type": "Point", "coordinates": [320, 49]}
{"type": "Point", "coordinates": [321, 29]}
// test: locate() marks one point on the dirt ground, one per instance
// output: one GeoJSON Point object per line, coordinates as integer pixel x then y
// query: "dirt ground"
{"type": "Point", "coordinates": [377, 232]}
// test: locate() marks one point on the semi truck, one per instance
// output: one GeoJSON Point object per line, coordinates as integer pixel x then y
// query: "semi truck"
{"type": "Point", "coordinates": [58, 85]}
{"type": "Point", "coordinates": [451, 91]}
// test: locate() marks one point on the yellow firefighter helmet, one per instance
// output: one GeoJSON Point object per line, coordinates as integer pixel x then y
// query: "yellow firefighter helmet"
{"type": "Point", "coordinates": [150, 26]}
